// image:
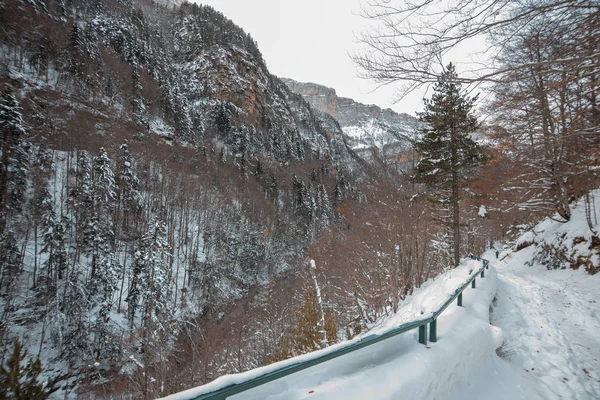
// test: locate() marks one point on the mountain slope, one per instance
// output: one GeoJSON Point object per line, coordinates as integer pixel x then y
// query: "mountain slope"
{"type": "Point", "coordinates": [462, 364]}
{"type": "Point", "coordinates": [526, 331]}
{"type": "Point", "coordinates": [166, 184]}
{"type": "Point", "coordinates": [161, 193]}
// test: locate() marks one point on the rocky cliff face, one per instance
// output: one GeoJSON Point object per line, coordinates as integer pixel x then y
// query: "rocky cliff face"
{"type": "Point", "coordinates": [240, 105]}
{"type": "Point", "coordinates": [365, 126]}
{"type": "Point", "coordinates": [318, 96]}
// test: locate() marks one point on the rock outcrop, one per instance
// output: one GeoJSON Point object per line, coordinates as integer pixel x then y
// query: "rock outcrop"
{"type": "Point", "coordinates": [318, 96]}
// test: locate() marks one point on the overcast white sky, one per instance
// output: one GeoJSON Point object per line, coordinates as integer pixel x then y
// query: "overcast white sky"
{"type": "Point", "coordinates": [310, 41]}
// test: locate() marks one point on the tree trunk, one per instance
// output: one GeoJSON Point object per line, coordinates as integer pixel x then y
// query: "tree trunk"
{"type": "Point", "coordinates": [454, 201]}
{"type": "Point", "coordinates": [455, 218]}
{"type": "Point", "coordinates": [4, 183]}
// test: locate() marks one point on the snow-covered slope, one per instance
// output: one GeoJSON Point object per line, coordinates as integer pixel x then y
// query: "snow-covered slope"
{"type": "Point", "coordinates": [559, 245]}
{"type": "Point", "coordinates": [542, 342]}
{"type": "Point", "coordinates": [381, 135]}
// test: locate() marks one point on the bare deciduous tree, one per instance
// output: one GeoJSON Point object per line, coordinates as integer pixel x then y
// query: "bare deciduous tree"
{"type": "Point", "coordinates": [409, 39]}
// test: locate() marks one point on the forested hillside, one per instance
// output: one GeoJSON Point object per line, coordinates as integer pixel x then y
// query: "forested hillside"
{"type": "Point", "coordinates": [162, 195]}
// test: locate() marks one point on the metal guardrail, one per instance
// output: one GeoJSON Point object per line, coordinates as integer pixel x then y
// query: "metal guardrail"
{"type": "Point", "coordinates": [421, 324]}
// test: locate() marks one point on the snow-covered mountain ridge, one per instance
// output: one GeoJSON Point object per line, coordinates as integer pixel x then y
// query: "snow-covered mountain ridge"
{"type": "Point", "coordinates": [365, 126]}
{"type": "Point", "coordinates": [158, 158]}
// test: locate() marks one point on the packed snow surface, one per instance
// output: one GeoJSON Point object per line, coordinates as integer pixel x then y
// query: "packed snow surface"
{"type": "Point", "coordinates": [542, 344]}
{"type": "Point", "coordinates": [551, 321]}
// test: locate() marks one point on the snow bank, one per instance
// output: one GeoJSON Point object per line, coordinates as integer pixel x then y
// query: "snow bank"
{"type": "Point", "coordinates": [561, 245]}
{"type": "Point", "coordinates": [400, 367]}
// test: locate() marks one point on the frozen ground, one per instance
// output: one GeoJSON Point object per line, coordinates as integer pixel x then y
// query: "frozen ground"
{"type": "Point", "coordinates": [551, 323]}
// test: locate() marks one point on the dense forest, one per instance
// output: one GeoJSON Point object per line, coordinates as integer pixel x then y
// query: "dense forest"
{"type": "Point", "coordinates": [171, 212]}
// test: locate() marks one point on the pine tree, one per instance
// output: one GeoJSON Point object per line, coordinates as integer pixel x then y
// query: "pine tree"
{"type": "Point", "coordinates": [43, 158]}
{"type": "Point", "coordinates": [20, 379]}
{"type": "Point", "coordinates": [325, 209]}
{"type": "Point", "coordinates": [104, 179]}
{"type": "Point", "coordinates": [308, 332]}
{"type": "Point", "coordinates": [447, 151]}
{"type": "Point", "coordinates": [54, 241]}
{"type": "Point", "coordinates": [14, 166]}
{"type": "Point", "coordinates": [73, 334]}
{"type": "Point", "coordinates": [40, 199]}
{"type": "Point", "coordinates": [305, 206]}
{"type": "Point", "coordinates": [10, 114]}
{"type": "Point", "coordinates": [311, 329]}
{"type": "Point", "coordinates": [272, 188]}
{"type": "Point", "coordinates": [106, 284]}
{"type": "Point", "coordinates": [137, 103]}
{"type": "Point", "coordinates": [99, 232]}
{"type": "Point", "coordinates": [258, 169]}
{"type": "Point", "coordinates": [128, 193]}
{"type": "Point", "coordinates": [149, 281]}
{"type": "Point", "coordinates": [81, 197]}
{"type": "Point", "coordinates": [107, 279]}
{"type": "Point", "coordinates": [10, 258]}
{"type": "Point", "coordinates": [14, 169]}
{"type": "Point", "coordinates": [222, 121]}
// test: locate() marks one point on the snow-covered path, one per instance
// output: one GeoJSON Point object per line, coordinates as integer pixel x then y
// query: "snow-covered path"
{"type": "Point", "coordinates": [551, 324]}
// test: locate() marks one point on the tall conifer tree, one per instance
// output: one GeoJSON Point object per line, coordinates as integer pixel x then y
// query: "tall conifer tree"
{"type": "Point", "coordinates": [447, 151]}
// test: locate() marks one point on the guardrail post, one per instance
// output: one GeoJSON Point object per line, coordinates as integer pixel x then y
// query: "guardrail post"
{"type": "Point", "coordinates": [433, 331]}
{"type": "Point", "coordinates": [487, 264]}
{"type": "Point", "coordinates": [482, 274]}
{"type": "Point", "coordinates": [459, 299]}
{"type": "Point", "coordinates": [473, 283]}
{"type": "Point", "coordinates": [423, 334]}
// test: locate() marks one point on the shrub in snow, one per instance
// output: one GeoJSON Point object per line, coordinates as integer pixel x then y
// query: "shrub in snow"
{"type": "Point", "coordinates": [561, 245]}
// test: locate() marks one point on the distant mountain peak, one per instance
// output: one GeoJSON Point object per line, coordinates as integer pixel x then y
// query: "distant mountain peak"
{"type": "Point", "coordinates": [364, 125]}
